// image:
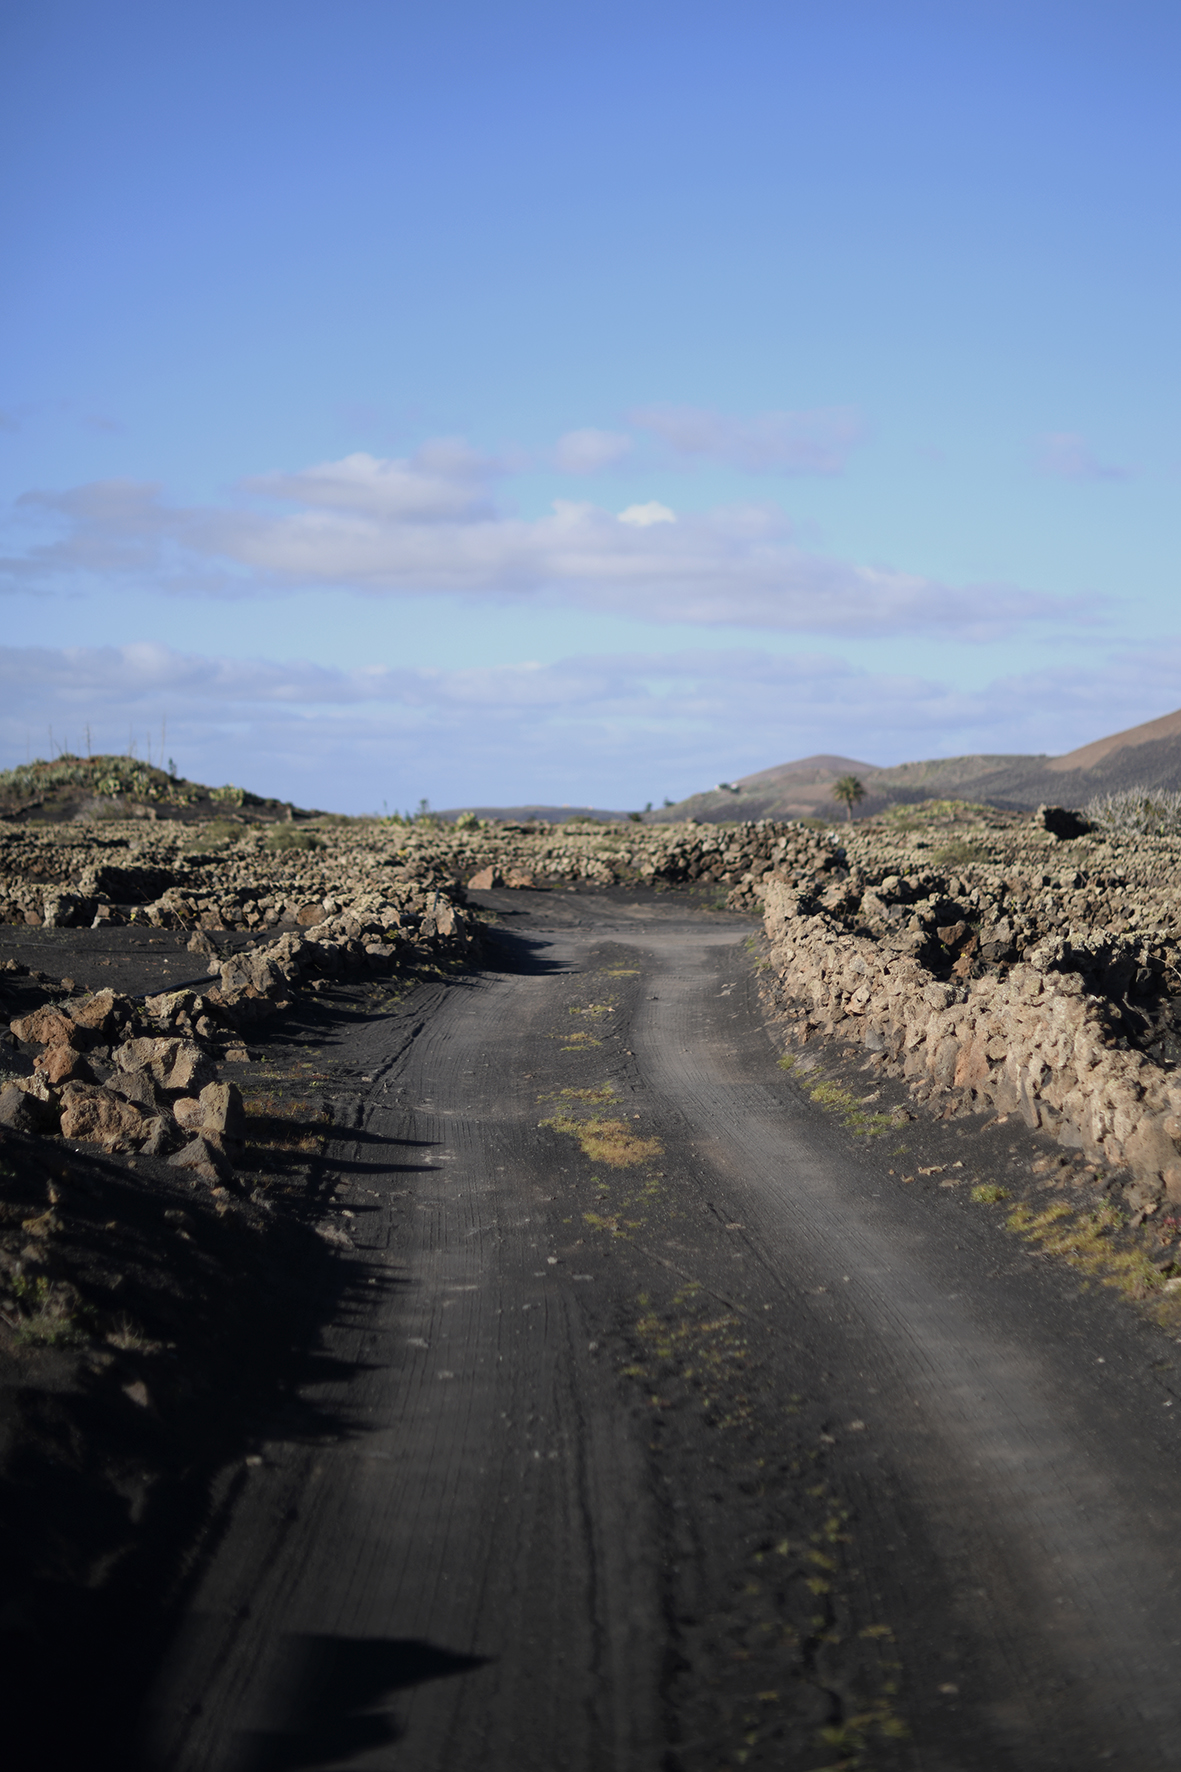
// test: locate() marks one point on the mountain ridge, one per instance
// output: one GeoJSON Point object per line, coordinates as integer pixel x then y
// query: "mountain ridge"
{"type": "Point", "coordinates": [1146, 756]}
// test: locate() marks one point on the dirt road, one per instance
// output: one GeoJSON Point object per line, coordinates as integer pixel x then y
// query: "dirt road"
{"type": "Point", "coordinates": [734, 1453]}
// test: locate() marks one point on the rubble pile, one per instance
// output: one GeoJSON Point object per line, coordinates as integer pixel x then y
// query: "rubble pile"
{"type": "Point", "coordinates": [1028, 966]}
{"type": "Point", "coordinates": [140, 1074]}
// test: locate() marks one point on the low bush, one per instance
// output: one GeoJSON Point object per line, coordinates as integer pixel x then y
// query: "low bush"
{"type": "Point", "coordinates": [284, 836]}
{"type": "Point", "coordinates": [218, 833]}
{"type": "Point", "coordinates": [1137, 812]}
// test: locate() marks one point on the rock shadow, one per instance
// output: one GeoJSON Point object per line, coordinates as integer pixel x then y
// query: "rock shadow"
{"type": "Point", "coordinates": [326, 1698]}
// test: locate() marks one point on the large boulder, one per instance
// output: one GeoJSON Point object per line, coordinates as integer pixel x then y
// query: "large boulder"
{"type": "Point", "coordinates": [175, 1064]}
{"type": "Point", "coordinates": [1062, 823]}
{"type": "Point", "coordinates": [93, 1013]}
{"type": "Point", "coordinates": [96, 1116]}
{"type": "Point", "coordinates": [59, 1063]}
{"type": "Point", "coordinates": [47, 1026]}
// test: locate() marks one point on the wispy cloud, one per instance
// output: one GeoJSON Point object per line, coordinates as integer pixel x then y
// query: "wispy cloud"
{"type": "Point", "coordinates": [643, 516]}
{"type": "Point", "coordinates": [608, 729]}
{"type": "Point", "coordinates": [428, 524]}
{"type": "Point", "coordinates": [587, 452]}
{"type": "Point", "coordinates": [446, 478]}
{"type": "Point", "coordinates": [816, 442]}
{"type": "Point", "coordinates": [1068, 456]}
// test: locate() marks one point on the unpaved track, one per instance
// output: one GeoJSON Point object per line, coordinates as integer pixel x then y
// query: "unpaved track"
{"type": "Point", "coordinates": [458, 1554]}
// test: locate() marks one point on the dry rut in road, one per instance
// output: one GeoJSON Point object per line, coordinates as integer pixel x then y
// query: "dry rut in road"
{"type": "Point", "coordinates": [661, 1429]}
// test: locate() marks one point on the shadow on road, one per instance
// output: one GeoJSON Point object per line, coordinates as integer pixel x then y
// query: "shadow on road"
{"type": "Point", "coordinates": [326, 1693]}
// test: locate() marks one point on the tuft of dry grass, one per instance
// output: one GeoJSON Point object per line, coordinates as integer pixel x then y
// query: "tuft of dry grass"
{"type": "Point", "coordinates": [836, 1100]}
{"type": "Point", "coordinates": [605, 1093]}
{"type": "Point", "coordinates": [607, 1141]}
{"type": "Point", "coordinates": [286, 1125]}
{"type": "Point", "coordinates": [1084, 1240]}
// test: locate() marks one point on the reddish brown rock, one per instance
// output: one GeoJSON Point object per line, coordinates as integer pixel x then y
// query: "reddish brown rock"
{"type": "Point", "coordinates": [95, 1116]}
{"type": "Point", "coordinates": [46, 1026]}
{"type": "Point", "coordinates": [93, 1013]}
{"type": "Point", "coordinates": [58, 1064]}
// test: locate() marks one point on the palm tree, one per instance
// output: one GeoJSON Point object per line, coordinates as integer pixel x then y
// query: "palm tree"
{"type": "Point", "coordinates": [848, 790]}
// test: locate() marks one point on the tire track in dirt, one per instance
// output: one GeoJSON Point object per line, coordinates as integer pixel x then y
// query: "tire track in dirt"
{"type": "Point", "coordinates": [1076, 1613]}
{"type": "Point", "coordinates": [499, 1555]}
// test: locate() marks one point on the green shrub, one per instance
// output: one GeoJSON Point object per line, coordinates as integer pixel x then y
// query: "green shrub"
{"type": "Point", "coordinates": [218, 833]}
{"type": "Point", "coordinates": [956, 854]}
{"type": "Point", "coordinates": [109, 776]}
{"type": "Point", "coordinates": [283, 836]}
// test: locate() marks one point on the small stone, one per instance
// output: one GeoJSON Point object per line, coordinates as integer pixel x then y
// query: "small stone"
{"type": "Point", "coordinates": [162, 1136]}
{"type": "Point", "coordinates": [136, 1086]}
{"type": "Point", "coordinates": [21, 1111]}
{"type": "Point", "coordinates": [203, 1160]}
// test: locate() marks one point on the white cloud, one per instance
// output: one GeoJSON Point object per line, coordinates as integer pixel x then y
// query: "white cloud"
{"type": "Point", "coordinates": [1068, 456]}
{"type": "Point", "coordinates": [816, 442]}
{"type": "Point", "coordinates": [586, 452]}
{"type": "Point", "coordinates": [424, 524]}
{"type": "Point", "coordinates": [643, 516]}
{"type": "Point", "coordinates": [446, 478]}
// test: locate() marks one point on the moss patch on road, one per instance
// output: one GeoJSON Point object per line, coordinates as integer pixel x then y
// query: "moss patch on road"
{"type": "Point", "coordinates": [607, 1141]}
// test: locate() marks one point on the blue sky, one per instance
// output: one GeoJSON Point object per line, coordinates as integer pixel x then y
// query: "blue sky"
{"type": "Point", "coordinates": [585, 403]}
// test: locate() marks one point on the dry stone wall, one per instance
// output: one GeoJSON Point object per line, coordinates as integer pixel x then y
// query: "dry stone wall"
{"type": "Point", "coordinates": [997, 966]}
{"type": "Point", "coordinates": [68, 876]}
{"type": "Point", "coordinates": [987, 959]}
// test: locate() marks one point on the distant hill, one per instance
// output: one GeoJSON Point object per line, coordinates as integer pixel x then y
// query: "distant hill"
{"type": "Point", "coordinates": [68, 787]}
{"type": "Point", "coordinates": [1144, 756]}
